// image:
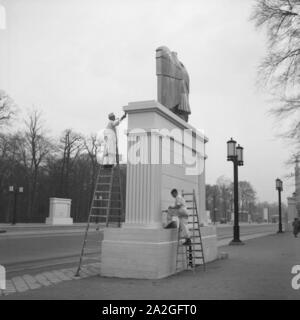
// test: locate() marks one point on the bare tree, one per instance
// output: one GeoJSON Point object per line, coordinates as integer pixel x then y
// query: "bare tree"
{"type": "Point", "coordinates": [213, 201]}
{"type": "Point", "coordinates": [92, 147]}
{"type": "Point", "coordinates": [225, 189]}
{"type": "Point", "coordinates": [7, 107]}
{"type": "Point", "coordinates": [247, 196]}
{"type": "Point", "coordinates": [37, 148]}
{"type": "Point", "coordinates": [71, 144]}
{"type": "Point", "coordinates": [280, 69]}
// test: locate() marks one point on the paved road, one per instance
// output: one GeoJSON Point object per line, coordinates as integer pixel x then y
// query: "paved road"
{"type": "Point", "coordinates": [30, 253]}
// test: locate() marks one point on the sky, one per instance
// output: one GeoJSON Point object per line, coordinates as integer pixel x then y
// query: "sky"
{"type": "Point", "coordinates": [79, 60]}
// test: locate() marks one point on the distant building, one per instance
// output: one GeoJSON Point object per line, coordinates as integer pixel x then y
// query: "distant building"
{"type": "Point", "coordinates": [266, 215]}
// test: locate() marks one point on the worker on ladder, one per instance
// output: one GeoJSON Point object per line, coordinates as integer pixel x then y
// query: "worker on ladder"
{"type": "Point", "coordinates": [110, 152]}
{"type": "Point", "coordinates": [179, 209]}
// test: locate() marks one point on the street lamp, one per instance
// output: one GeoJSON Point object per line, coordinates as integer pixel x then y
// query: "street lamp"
{"type": "Point", "coordinates": [236, 155]}
{"type": "Point", "coordinates": [15, 191]}
{"type": "Point", "coordinates": [279, 188]}
{"type": "Point", "coordinates": [215, 215]}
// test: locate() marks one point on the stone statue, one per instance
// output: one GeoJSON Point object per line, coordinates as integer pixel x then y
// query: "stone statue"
{"type": "Point", "coordinates": [172, 83]}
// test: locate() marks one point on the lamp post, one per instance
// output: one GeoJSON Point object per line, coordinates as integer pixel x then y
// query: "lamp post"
{"type": "Point", "coordinates": [215, 215]}
{"type": "Point", "coordinates": [15, 191]}
{"type": "Point", "coordinates": [236, 155]}
{"type": "Point", "coordinates": [279, 188]}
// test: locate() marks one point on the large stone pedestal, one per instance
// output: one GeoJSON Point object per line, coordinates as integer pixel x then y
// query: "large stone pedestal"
{"type": "Point", "coordinates": [164, 152]}
{"type": "Point", "coordinates": [59, 212]}
{"type": "Point", "coordinates": [147, 253]}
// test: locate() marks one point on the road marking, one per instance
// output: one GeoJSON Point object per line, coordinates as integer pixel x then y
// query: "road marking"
{"type": "Point", "coordinates": [20, 284]}
{"type": "Point", "coordinates": [45, 279]}
{"type": "Point", "coordinates": [31, 282]}
{"type": "Point", "coordinates": [51, 277]}
{"type": "Point", "coordinates": [69, 273]}
{"type": "Point", "coordinates": [61, 275]}
{"type": "Point", "coordinates": [42, 280]}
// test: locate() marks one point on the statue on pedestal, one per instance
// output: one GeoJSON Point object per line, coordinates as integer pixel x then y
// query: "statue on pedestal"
{"type": "Point", "coordinates": [172, 83]}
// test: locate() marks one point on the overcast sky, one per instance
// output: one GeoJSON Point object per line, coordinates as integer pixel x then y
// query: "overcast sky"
{"type": "Point", "coordinates": [79, 60]}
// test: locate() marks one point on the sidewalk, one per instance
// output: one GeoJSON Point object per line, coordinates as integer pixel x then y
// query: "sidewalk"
{"type": "Point", "coordinates": [260, 269]}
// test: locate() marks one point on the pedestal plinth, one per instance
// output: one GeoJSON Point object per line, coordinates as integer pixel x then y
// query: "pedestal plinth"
{"type": "Point", "coordinates": [59, 212]}
{"type": "Point", "coordinates": [164, 152]}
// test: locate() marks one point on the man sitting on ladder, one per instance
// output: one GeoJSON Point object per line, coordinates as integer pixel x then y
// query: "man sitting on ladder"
{"type": "Point", "coordinates": [110, 153]}
{"type": "Point", "coordinates": [179, 209]}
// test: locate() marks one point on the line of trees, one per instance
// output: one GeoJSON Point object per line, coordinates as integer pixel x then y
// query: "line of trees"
{"type": "Point", "coordinates": [219, 201]}
{"type": "Point", "coordinates": [63, 167]}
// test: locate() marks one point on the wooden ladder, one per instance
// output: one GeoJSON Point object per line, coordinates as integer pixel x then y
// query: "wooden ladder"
{"type": "Point", "coordinates": [192, 255]}
{"type": "Point", "coordinates": [107, 206]}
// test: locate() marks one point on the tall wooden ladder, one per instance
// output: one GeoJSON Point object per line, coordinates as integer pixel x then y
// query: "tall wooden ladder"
{"type": "Point", "coordinates": [106, 208]}
{"type": "Point", "coordinates": [191, 256]}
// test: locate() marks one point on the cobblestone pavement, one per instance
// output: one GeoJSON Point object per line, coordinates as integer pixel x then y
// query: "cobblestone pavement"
{"type": "Point", "coordinates": [45, 279]}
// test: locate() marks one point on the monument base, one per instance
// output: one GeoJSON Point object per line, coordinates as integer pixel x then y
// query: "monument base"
{"type": "Point", "coordinates": [59, 212]}
{"type": "Point", "coordinates": [144, 253]}
{"type": "Point", "coordinates": [59, 221]}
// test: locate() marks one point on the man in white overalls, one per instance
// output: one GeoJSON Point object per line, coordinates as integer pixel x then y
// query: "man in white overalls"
{"type": "Point", "coordinates": [179, 210]}
{"type": "Point", "coordinates": [110, 140]}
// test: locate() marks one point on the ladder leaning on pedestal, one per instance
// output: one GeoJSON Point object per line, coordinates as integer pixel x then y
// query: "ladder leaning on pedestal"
{"type": "Point", "coordinates": [107, 205]}
{"type": "Point", "coordinates": [192, 255]}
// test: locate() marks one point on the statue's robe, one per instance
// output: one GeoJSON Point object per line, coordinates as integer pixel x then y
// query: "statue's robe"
{"type": "Point", "coordinates": [172, 82]}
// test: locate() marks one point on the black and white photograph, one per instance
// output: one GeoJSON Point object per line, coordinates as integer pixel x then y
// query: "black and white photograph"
{"type": "Point", "coordinates": [149, 151]}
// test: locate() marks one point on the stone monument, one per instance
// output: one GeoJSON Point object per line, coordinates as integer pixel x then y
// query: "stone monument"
{"type": "Point", "coordinates": [173, 83]}
{"type": "Point", "coordinates": [164, 152]}
{"type": "Point", "coordinates": [59, 212]}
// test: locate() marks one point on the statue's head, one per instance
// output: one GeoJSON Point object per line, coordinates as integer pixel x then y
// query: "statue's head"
{"type": "Point", "coordinates": [112, 116]}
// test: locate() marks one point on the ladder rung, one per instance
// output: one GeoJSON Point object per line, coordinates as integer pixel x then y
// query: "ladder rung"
{"type": "Point", "coordinates": [98, 215]}
{"type": "Point", "coordinates": [107, 200]}
{"type": "Point", "coordinates": [107, 208]}
{"type": "Point", "coordinates": [104, 215]}
{"type": "Point", "coordinates": [105, 191]}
